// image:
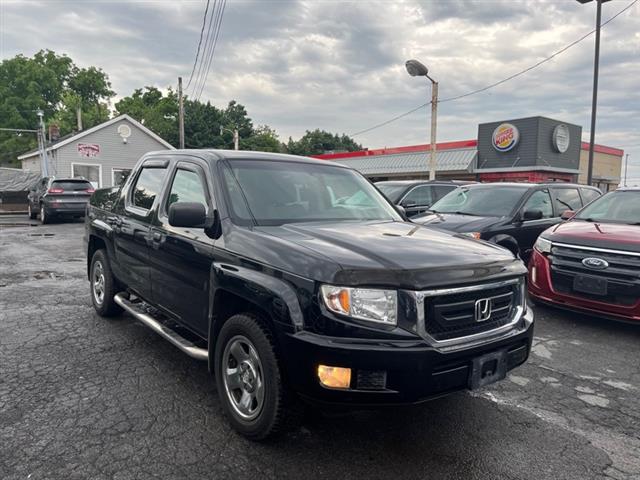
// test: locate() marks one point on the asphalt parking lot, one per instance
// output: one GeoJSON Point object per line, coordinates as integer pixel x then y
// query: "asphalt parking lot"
{"type": "Point", "coordinates": [84, 397]}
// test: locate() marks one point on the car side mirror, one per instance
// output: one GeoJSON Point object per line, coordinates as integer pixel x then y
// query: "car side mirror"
{"type": "Point", "coordinates": [187, 214]}
{"type": "Point", "coordinates": [567, 215]}
{"type": "Point", "coordinates": [408, 204]}
{"type": "Point", "coordinates": [532, 215]}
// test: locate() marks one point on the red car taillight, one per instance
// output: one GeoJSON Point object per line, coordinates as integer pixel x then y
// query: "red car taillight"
{"type": "Point", "coordinates": [90, 190]}
{"type": "Point", "coordinates": [55, 190]}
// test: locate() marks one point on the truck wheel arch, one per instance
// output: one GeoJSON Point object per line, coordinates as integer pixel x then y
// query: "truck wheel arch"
{"type": "Point", "coordinates": [236, 289]}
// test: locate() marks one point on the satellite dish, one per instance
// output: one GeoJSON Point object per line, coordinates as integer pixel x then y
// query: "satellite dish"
{"type": "Point", "coordinates": [124, 131]}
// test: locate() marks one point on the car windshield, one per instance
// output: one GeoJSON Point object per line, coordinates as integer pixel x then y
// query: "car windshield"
{"type": "Point", "coordinates": [276, 192]}
{"type": "Point", "coordinates": [72, 185]}
{"type": "Point", "coordinates": [614, 207]}
{"type": "Point", "coordinates": [393, 191]}
{"type": "Point", "coordinates": [486, 201]}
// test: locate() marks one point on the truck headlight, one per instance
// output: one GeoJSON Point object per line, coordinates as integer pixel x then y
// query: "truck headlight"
{"type": "Point", "coordinates": [372, 305]}
{"type": "Point", "coordinates": [543, 245]}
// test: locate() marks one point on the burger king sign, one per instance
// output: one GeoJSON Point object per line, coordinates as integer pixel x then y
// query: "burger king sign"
{"type": "Point", "coordinates": [505, 137]}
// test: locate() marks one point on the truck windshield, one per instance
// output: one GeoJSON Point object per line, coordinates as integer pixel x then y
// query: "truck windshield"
{"type": "Point", "coordinates": [267, 192]}
{"type": "Point", "coordinates": [622, 206]}
{"type": "Point", "coordinates": [486, 201]}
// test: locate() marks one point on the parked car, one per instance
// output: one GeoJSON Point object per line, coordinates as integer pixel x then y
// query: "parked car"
{"type": "Point", "coordinates": [591, 263]}
{"type": "Point", "coordinates": [295, 278]}
{"type": "Point", "coordinates": [416, 196]}
{"type": "Point", "coordinates": [511, 215]}
{"type": "Point", "coordinates": [59, 197]}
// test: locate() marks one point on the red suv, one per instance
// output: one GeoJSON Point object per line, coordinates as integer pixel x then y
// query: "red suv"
{"type": "Point", "coordinates": [591, 263]}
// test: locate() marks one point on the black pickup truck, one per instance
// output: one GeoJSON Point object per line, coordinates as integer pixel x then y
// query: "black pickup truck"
{"type": "Point", "coordinates": [295, 279]}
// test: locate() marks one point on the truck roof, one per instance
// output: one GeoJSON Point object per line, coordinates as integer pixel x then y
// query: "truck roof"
{"type": "Point", "coordinates": [212, 154]}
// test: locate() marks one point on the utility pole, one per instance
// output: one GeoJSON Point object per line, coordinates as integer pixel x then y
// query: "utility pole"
{"type": "Point", "coordinates": [180, 112]}
{"type": "Point", "coordinates": [594, 100]}
{"type": "Point", "coordinates": [626, 167]}
{"type": "Point", "coordinates": [42, 144]}
{"type": "Point", "coordinates": [434, 124]}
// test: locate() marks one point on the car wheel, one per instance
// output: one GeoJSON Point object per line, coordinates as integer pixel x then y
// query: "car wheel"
{"type": "Point", "coordinates": [249, 379]}
{"type": "Point", "coordinates": [44, 216]}
{"type": "Point", "coordinates": [32, 214]}
{"type": "Point", "coordinates": [103, 286]}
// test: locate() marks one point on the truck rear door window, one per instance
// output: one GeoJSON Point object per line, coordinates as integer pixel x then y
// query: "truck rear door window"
{"type": "Point", "coordinates": [147, 187]}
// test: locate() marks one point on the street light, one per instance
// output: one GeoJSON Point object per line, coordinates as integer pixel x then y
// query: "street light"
{"type": "Point", "coordinates": [594, 101]}
{"type": "Point", "coordinates": [236, 136]}
{"type": "Point", "coordinates": [417, 69]}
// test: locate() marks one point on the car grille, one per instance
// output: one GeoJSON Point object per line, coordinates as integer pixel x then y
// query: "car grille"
{"type": "Point", "coordinates": [622, 275]}
{"type": "Point", "coordinates": [453, 315]}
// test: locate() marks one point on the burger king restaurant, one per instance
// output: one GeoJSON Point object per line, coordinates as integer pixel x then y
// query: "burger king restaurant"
{"type": "Point", "coordinates": [533, 149]}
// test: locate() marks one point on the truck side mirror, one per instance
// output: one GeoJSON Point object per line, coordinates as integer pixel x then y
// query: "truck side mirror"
{"type": "Point", "coordinates": [532, 215]}
{"type": "Point", "coordinates": [213, 228]}
{"type": "Point", "coordinates": [567, 215]}
{"type": "Point", "coordinates": [187, 214]}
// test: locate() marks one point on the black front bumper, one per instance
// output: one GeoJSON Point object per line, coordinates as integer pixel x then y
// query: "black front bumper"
{"type": "Point", "coordinates": [412, 371]}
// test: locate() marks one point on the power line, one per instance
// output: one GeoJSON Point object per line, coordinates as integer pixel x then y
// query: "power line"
{"type": "Point", "coordinates": [204, 22]}
{"type": "Point", "coordinates": [484, 89]}
{"type": "Point", "coordinates": [213, 47]}
{"type": "Point", "coordinates": [206, 47]}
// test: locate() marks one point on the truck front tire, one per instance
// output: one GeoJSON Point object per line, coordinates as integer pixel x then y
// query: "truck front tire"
{"type": "Point", "coordinates": [249, 379]}
{"type": "Point", "coordinates": [103, 286]}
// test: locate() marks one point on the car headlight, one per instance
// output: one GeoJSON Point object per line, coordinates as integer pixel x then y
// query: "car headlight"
{"type": "Point", "coordinates": [475, 235]}
{"type": "Point", "coordinates": [543, 245]}
{"type": "Point", "coordinates": [373, 305]}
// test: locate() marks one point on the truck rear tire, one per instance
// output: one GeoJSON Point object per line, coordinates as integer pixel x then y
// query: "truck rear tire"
{"type": "Point", "coordinates": [103, 285]}
{"type": "Point", "coordinates": [249, 379]}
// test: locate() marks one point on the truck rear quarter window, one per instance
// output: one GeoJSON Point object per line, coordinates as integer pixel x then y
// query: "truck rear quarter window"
{"type": "Point", "coordinates": [147, 187]}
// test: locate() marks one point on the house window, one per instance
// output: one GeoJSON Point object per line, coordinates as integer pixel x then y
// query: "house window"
{"type": "Point", "coordinates": [119, 176]}
{"type": "Point", "coordinates": [90, 172]}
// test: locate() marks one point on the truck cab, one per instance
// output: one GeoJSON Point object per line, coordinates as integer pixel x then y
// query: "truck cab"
{"type": "Point", "coordinates": [297, 280]}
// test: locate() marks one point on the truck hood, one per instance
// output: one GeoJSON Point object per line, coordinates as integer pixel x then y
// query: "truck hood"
{"type": "Point", "coordinates": [457, 223]}
{"type": "Point", "coordinates": [613, 236]}
{"type": "Point", "coordinates": [399, 254]}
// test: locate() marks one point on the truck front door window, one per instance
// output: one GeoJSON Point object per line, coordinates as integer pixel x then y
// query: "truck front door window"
{"type": "Point", "coordinates": [187, 187]}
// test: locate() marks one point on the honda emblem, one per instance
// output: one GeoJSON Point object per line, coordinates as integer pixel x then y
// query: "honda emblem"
{"type": "Point", "coordinates": [483, 310]}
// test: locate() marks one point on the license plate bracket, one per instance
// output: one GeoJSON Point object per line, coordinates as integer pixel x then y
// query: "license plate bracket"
{"type": "Point", "coordinates": [487, 369]}
{"type": "Point", "coordinates": [590, 284]}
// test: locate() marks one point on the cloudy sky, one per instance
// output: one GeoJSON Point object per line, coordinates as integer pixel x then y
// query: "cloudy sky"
{"type": "Point", "coordinates": [339, 66]}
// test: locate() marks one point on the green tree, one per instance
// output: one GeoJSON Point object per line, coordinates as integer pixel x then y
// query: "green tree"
{"type": "Point", "coordinates": [154, 110]}
{"type": "Point", "coordinates": [318, 141]}
{"type": "Point", "coordinates": [263, 139]}
{"type": "Point", "coordinates": [44, 82]}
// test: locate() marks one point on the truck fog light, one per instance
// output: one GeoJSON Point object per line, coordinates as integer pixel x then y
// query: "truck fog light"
{"type": "Point", "coordinates": [334, 377]}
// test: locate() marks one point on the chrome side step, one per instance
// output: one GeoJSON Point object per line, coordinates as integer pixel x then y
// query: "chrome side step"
{"type": "Point", "coordinates": [182, 343]}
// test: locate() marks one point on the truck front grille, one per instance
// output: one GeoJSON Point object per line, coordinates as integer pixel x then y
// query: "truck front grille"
{"type": "Point", "coordinates": [458, 314]}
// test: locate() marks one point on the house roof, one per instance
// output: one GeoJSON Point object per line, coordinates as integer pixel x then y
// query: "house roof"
{"type": "Point", "coordinates": [70, 138]}
{"type": "Point", "coordinates": [458, 159]}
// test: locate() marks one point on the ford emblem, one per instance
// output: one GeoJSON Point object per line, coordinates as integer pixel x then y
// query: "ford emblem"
{"type": "Point", "coordinates": [595, 263]}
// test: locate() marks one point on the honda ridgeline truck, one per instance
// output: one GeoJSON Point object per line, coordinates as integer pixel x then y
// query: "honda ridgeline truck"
{"type": "Point", "coordinates": [295, 279]}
